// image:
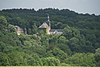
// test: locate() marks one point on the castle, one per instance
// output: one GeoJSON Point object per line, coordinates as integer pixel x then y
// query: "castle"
{"type": "Point", "coordinates": [47, 27]}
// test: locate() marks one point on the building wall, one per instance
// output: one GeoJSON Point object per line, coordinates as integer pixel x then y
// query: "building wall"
{"type": "Point", "coordinates": [19, 30]}
{"type": "Point", "coordinates": [48, 30]}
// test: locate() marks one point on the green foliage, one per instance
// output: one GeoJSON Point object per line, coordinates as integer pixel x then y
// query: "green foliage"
{"type": "Point", "coordinates": [82, 59]}
{"type": "Point", "coordinates": [50, 61]}
{"type": "Point", "coordinates": [16, 58]}
{"type": "Point", "coordinates": [33, 59]}
{"type": "Point", "coordinates": [3, 23]}
{"type": "Point", "coordinates": [4, 59]}
{"type": "Point", "coordinates": [59, 54]}
{"type": "Point", "coordinates": [3, 20]}
{"type": "Point", "coordinates": [97, 56]}
{"type": "Point", "coordinates": [76, 46]}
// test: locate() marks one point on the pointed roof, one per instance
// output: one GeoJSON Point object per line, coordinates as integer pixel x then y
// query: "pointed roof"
{"type": "Point", "coordinates": [44, 25]}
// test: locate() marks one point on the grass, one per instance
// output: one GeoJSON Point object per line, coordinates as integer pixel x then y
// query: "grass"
{"type": "Point", "coordinates": [41, 66]}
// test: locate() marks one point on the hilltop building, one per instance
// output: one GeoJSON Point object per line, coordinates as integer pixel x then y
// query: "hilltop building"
{"type": "Point", "coordinates": [46, 26]}
{"type": "Point", "coordinates": [20, 31]}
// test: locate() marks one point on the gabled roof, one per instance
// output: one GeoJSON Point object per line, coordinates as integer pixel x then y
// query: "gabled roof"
{"type": "Point", "coordinates": [58, 30]}
{"type": "Point", "coordinates": [44, 25]}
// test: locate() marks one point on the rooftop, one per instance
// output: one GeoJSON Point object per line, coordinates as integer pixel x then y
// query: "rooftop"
{"type": "Point", "coordinates": [44, 25]}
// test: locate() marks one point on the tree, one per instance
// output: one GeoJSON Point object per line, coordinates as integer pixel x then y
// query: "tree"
{"type": "Point", "coordinates": [74, 44]}
{"type": "Point", "coordinates": [81, 34]}
{"type": "Point", "coordinates": [50, 61]}
{"type": "Point", "coordinates": [67, 32]}
{"type": "Point", "coordinates": [61, 55]}
{"type": "Point", "coordinates": [97, 57]}
{"type": "Point", "coordinates": [33, 59]}
{"type": "Point", "coordinates": [17, 58]}
{"type": "Point", "coordinates": [34, 29]}
{"type": "Point", "coordinates": [4, 59]}
{"type": "Point", "coordinates": [63, 44]}
{"type": "Point", "coordinates": [83, 59]}
{"type": "Point", "coordinates": [3, 23]}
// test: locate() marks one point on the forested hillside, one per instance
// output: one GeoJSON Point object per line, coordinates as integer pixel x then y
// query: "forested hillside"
{"type": "Point", "coordinates": [78, 45]}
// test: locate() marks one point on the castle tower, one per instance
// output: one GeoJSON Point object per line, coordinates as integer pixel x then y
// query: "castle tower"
{"type": "Point", "coordinates": [49, 25]}
{"type": "Point", "coordinates": [46, 25]}
{"type": "Point", "coordinates": [48, 18]}
{"type": "Point", "coordinates": [49, 21]}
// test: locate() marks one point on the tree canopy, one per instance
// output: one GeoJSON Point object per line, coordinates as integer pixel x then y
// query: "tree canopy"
{"type": "Point", "coordinates": [78, 45]}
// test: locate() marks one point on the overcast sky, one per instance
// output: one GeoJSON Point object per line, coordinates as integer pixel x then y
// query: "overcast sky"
{"type": "Point", "coordinates": [80, 6]}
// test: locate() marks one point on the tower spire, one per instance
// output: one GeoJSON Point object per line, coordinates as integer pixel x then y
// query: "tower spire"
{"type": "Point", "coordinates": [49, 24]}
{"type": "Point", "coordinates": [49, 21]}
{"type": "Point", "coordinates": [48, 18]}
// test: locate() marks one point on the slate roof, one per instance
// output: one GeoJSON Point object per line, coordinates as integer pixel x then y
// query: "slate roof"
{"type": "Point", "coordinates": [56, 31]}
{"type": "Point", "coordinates": [44, 25]}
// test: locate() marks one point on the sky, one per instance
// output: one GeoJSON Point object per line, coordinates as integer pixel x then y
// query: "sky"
{"type": "Point", "coordinates": [80, 6]}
